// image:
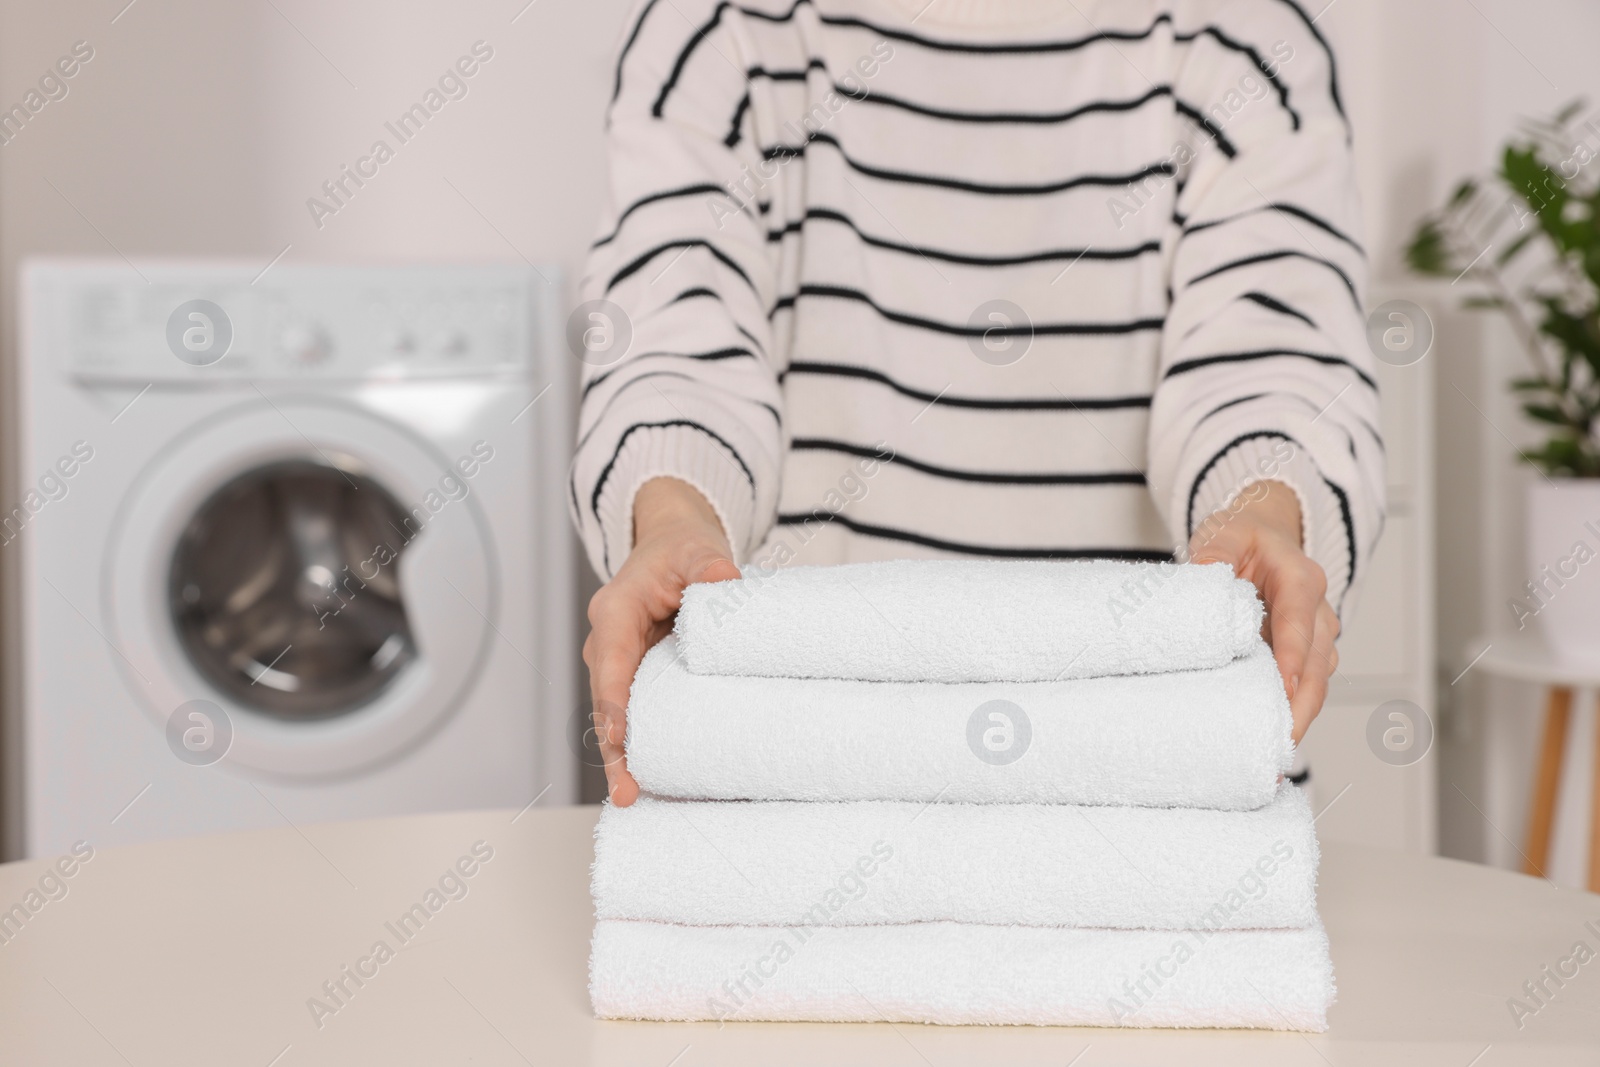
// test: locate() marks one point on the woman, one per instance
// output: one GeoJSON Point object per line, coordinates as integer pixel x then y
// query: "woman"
{"type": "Point", "coordinates": [1014, 278]}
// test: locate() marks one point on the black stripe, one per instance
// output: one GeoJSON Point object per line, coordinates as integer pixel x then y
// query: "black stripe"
{"type": "Point", "coordinates": [818, 444]}
{"type": "Point", "coordinates": [1274, 304]}
{"type": "Point", "coordinates": [1307, 401]}
{"type": "Point", "coordinates": [1377, 438]}
{"type": "Point", "coordinates": [1074, 254]}
{"type": "Point", "coordinates": [701, 291]}
{"type": "Point", "coordinates": [694, 242]}
{"type": "Point", "coordinates": [1262, 65]}
{"type": "Point", "coordinates": [683, 58]}
{"type": "Point", "coordinates": [738, 117]}
{"type": "Point", "coordinates": [863, 95]}
{"type": "Point", "coordinates": [1212, 131]}
{"type": "Point", "coordinates": [1202, 420]}
{"type": "Point", "coordinates": [967, 47]}
{"type": "Point", "coordinates": [1333, 73]}
{"type": "Point", "coordinates": [1049, 329]}
{"type": "Point", "coordinates": [1287, 209]}
{"type": "Point", "coordinates": [599, 418]}
{"type": "Point", "coordinates": [627, 46]}
{"type": "Point", "coordinates": [1268, 257]}
{"type": "Point", "coordinates": [778, 152]}
{"type": "Point", "coordinates": [687, 190]}
{"type": "Point", "coordinates": [751, 338]}
{"type": "Point", "coordinates": [605, 409]}
{"type": "Point", "coordinates": [1187, 365]}
{"type": "Point", "coordinates": [718, 354]}
{"type": "Point", "coordinates": [943, 399]}
{"type": "Point", "coordinates": [971, 48]}
{"type": "Point", "coordinates": [715, 354]}
{"type": "Point", "coordinates": [1349, 538]}
{"type": "Point", "coordinates": [800, 75]}
{"type": "Point", "coordinates": [1014, 118]}
{"type": "Point", "coordinates": [1224, 406]}
{"type": "Point", "coordinates": [999, 551]}
{"type": "Point", "coordinates": [631, 382]}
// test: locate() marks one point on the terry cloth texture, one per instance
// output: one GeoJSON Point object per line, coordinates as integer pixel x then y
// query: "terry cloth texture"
{"type": "Point", "coordinates": [1216, 738]}
{"type": "Point", "coordinates": [958, 974]}
{"type": "Point", "coordinates": [782, 863]}
{"type": "Point", "coordinates": [969, 620]}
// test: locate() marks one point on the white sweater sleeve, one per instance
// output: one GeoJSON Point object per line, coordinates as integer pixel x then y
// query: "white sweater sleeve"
{"type": "Point", "coordinates": [1265, 373]}
{"type": "Point", "coordinates": [683, 262]}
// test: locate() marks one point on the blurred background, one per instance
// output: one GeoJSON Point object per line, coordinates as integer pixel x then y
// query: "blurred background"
{"type": "Point", "coordinates": [200, 131]}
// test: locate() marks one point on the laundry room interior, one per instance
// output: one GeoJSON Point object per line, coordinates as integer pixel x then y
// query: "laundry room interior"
{"type": "Point", "coordinates": [402, 316]}
{"type": "Point", "coordinates": [173, 144]}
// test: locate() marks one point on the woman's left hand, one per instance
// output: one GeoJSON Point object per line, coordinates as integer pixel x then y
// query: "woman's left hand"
{"type": "Point", "coordinates": [1259, 534]}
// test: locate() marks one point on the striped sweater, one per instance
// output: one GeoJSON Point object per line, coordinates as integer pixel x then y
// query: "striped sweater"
{"type": "Point", "coordinates": [1003, 278]}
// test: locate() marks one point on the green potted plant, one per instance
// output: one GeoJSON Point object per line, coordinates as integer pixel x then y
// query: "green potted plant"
{"type": "Point", "coordinates": [1527, 242]}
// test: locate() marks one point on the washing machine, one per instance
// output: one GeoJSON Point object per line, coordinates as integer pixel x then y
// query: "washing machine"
{"type": "Point", "coordinates": [293, 546]}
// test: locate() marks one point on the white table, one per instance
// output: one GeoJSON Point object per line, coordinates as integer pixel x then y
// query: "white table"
{"type": "Point", "coordinates": [205, 951]}
{"type": "Point", "coordinates": [1524, 657]}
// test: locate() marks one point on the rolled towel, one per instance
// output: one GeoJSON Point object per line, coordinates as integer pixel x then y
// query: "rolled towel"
{"type": "Point", "coordinates": [969, 620]}
{"type": "Point", "coordinates": [1216, 738]}
{"type": "Point", "coordinates": [786, 863]}
{"type": "Point", "coordinates": [959, 974]}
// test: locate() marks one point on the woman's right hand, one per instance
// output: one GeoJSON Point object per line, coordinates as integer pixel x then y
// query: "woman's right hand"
{"type": "Point", "coordinates": [677, 540]}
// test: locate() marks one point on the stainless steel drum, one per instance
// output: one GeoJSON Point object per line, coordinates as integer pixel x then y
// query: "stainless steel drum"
{"type": "Point", "coordinates": [285, 589]}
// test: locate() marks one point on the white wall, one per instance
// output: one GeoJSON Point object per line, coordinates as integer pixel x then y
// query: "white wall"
{"type": "Point", "coordinates": [1553, 61]}
{"type": "Point", "coordinates": [203, 128]}
{"type": "Point", "coordinates": [1435, 87]}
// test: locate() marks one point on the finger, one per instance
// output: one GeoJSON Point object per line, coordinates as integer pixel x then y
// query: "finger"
{"type": "Point", "coordinates": [1320, 665]}
{"type": "Point", "coordinates": [619, 649]}
{"type": "Point", "coordinates": [608, 719]}
{"type": "Point", "coordinates": [611, 728]}
{"type": "Point", "coordinates": [658, 630]}
{"type": "Point", "coordinates": [1208, 545]}
{"type": "Point", "coordinates": [713, 569]}
{"type": "Point", "coordinates": [618, 645]}
{"type": "Point", "coordinates": [1292, 604]}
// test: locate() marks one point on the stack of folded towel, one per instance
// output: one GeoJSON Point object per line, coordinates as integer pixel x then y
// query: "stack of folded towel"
{"type": "Point", "coordinates": [963, 792]}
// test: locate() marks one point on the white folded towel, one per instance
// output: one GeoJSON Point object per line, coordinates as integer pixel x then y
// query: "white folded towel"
{"type": "Point", "coordinates": [960, 974]}
{"type": "Point", "coordinates": [793, 864]}
{"type": "Point", "coordinates": [969, 620]}
{"type": "Point", "coordinates": [1216, 738]}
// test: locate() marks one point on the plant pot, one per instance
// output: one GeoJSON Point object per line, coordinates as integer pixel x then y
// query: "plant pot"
{"type": "Point", "coordinates": [1563, 584]}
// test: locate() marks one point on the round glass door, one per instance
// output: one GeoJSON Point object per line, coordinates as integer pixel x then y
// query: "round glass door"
{"type": "Point", "coordinates": [284, 590]}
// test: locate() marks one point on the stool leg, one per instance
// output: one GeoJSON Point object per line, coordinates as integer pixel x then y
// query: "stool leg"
{"type": "Point", "coordinates": [1542, 812]}
{"type": "Point", "coordinates": [1594, 805]}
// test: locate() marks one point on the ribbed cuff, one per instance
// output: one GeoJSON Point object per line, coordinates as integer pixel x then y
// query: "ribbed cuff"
{"type": "Point", "coordinates": [1324, 527]}
{"type": "Point", "coordinates": [680, 452]}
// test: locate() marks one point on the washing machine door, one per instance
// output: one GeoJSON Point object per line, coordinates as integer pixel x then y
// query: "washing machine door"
{"type": "Point", "coordinates": [321, 574]}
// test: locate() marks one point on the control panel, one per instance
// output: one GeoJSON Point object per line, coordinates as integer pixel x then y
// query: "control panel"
{"type": "Point", "coordinates": [219, 322]}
